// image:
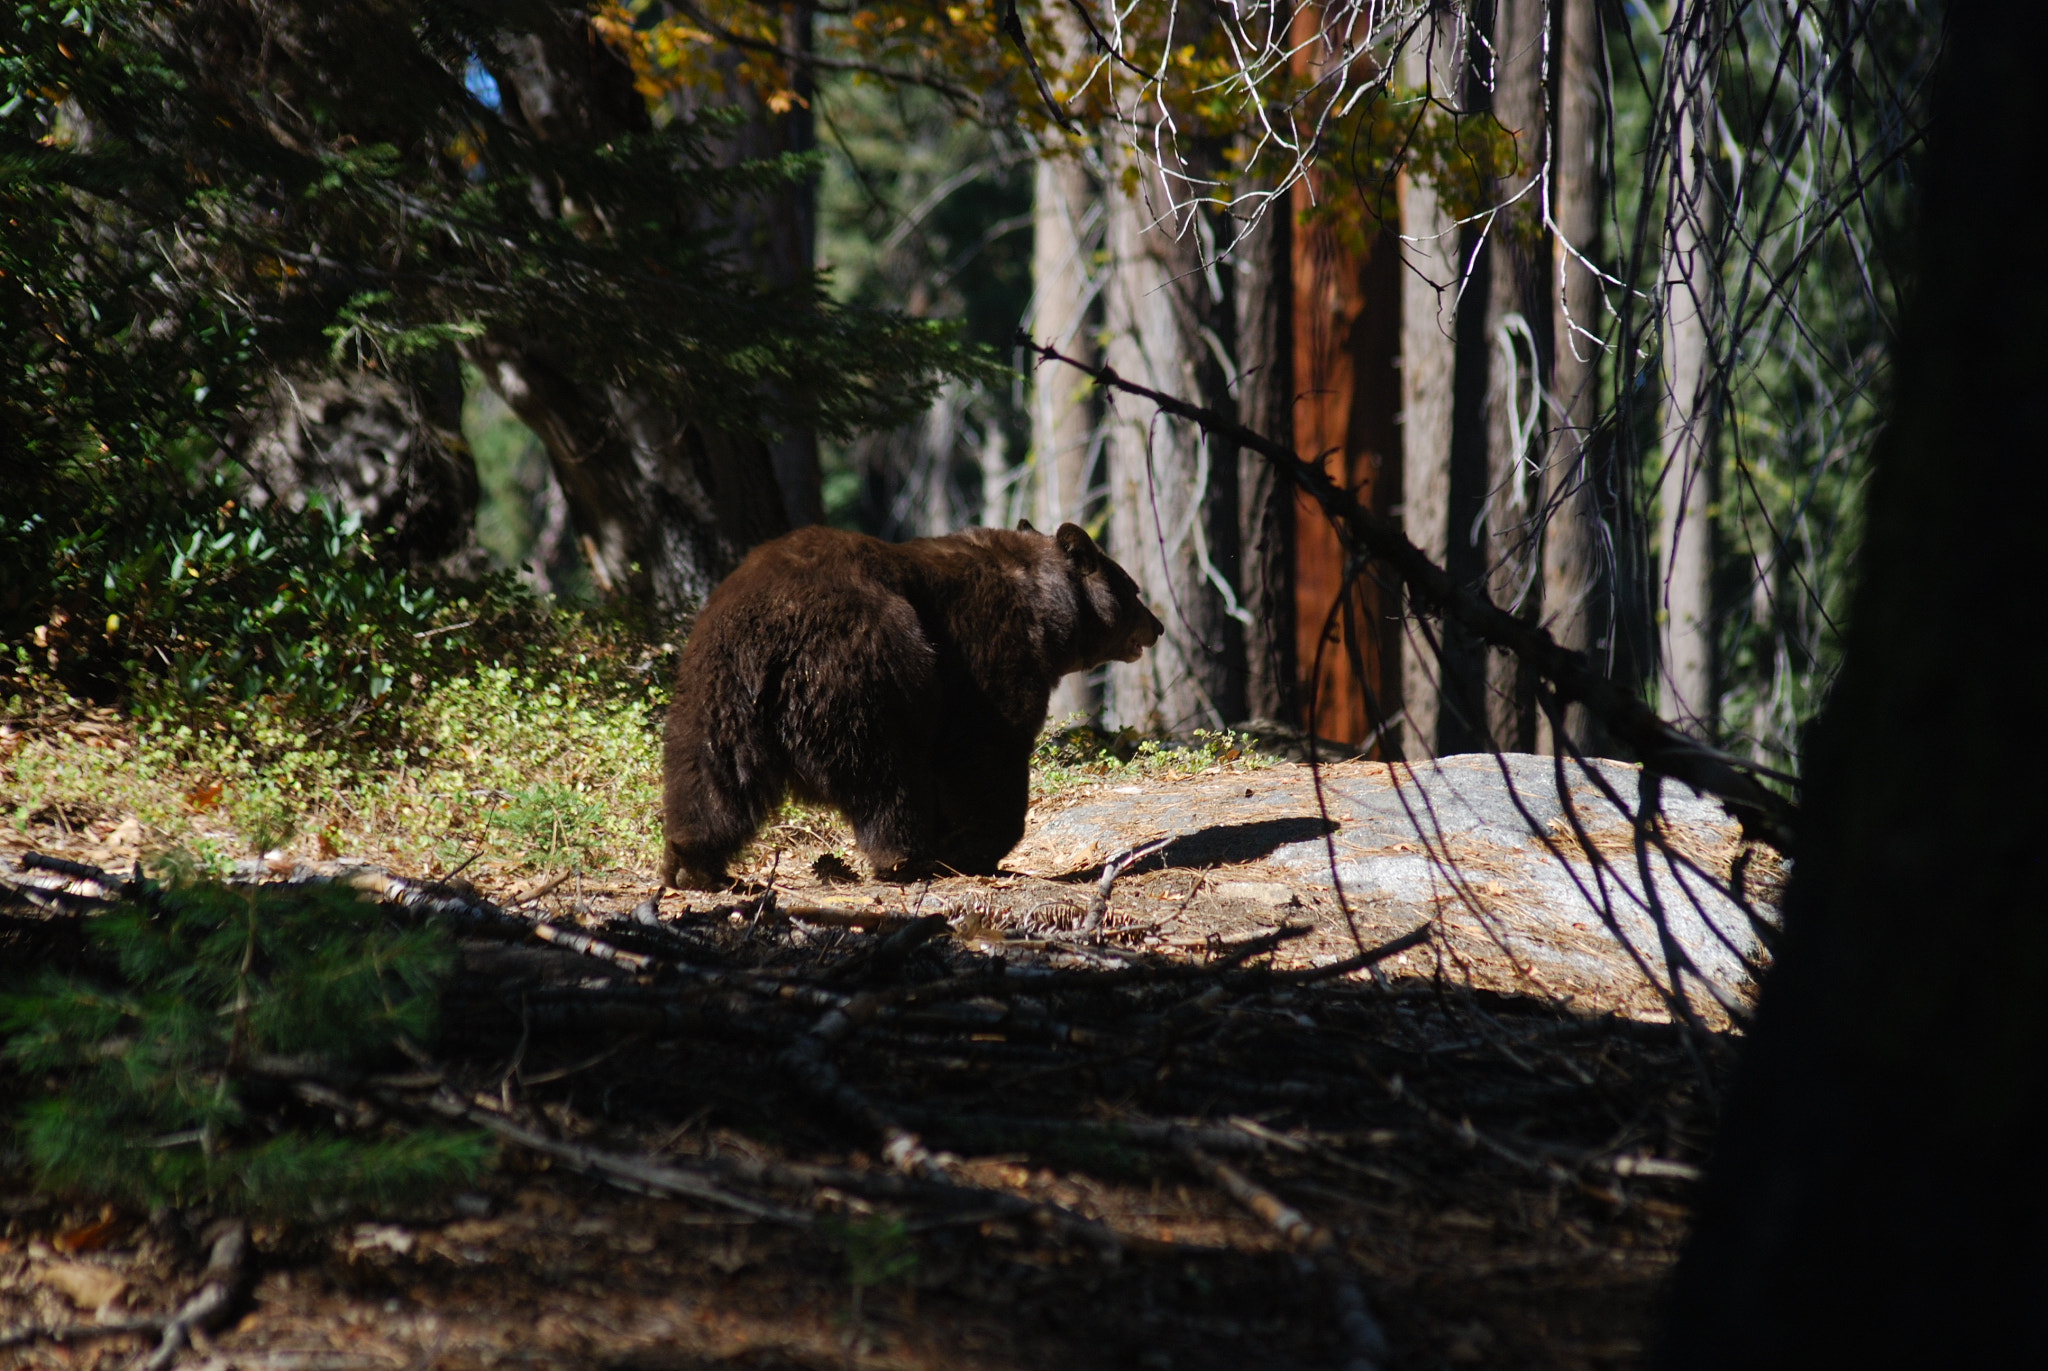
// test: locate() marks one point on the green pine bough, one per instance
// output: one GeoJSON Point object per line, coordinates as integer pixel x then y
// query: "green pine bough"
{"type": "Point", "coordinates": [150, 1070]}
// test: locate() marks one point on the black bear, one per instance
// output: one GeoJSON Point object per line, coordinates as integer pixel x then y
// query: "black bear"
{"type": "Point", "coordinates": [904, 684]}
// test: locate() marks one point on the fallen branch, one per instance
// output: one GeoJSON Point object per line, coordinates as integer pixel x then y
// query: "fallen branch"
{"type": "Point", "coordinates": [632, 1173]}
{"type": "Point", "coordinates": [1662, 748]}
{"type": "Point", "coordinates": [1098, 901]}
{"type": "Point", "coordinates": [81, 1332]}
{"type": "Point", "coordinates": [1364, 1339]}
{"type": "Point", "coordinates": [1282, 1217]}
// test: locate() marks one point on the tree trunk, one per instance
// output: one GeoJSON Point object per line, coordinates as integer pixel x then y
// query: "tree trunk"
{"type": "Point", "coordinates": [1877, 1196]}
{"type": "Point", "coordinates": [1518, 359]}
{"type": "Point", "coordinates": [1691, 291]}
{"type": "Point", "coordinates": [1430, 269]}
{"type": "Point", "coordinates": [663, 507]}
{"type": "Point", "coordinates": [1173, 493]}
{"type": "Point", "coordinates": [1266, 522]}
{"type": "Point", "coordinates": [1574, 607]}
{"type": "Point", "coordinates": [391, 455]}
{"type": "Point", "coordinates": [1066, 218]}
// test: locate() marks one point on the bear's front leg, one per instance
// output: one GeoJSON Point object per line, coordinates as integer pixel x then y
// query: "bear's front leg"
{"type": "Point", "coordinates": [983, 799]}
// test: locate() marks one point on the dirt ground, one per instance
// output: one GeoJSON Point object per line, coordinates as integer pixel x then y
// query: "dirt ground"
{"type": "Point", "coordinates": [1223, 1162]}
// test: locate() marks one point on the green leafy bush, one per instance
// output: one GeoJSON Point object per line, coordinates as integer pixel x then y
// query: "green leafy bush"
{"type": "Point", "coordinates": [1071, 753]}
{"type": "Point", "coordinates": [191, 605]}
{"type": "Point", "coordinates": [550, 824]}
{"type": "Point", "coordinates": [156, 1081]}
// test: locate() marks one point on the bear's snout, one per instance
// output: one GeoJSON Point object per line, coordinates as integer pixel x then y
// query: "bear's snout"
{"type": "Point", "coordinates": [1147, 634]}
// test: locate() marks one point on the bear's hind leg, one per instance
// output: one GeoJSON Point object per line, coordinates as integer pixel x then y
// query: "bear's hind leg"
{"type": "Point", "coordinates": [893, 829]}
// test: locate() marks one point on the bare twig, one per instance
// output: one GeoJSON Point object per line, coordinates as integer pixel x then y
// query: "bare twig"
{"type": "Point", "coordinates": [1098, 902]}
{"type": "Point", "coordinates": [632, 1173]}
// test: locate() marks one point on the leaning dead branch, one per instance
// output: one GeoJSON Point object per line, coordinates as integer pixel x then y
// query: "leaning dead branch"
{"type": "Point", "coordinates": [1765, 815]}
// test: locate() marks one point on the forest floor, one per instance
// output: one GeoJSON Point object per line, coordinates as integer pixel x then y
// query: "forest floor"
{"type": "Point", "coordinates": [1187, 1138]}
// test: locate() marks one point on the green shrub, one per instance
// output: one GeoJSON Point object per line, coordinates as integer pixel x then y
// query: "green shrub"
{"type": "Point", "coordinates": [1071, 753]}
{"type": "Point", "coordinates": [155, 1081]}
{"type": "Point", "coordinates": [195, 606]}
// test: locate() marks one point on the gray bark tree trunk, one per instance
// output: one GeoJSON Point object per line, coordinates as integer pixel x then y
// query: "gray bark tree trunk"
{"type": "Point", "coordinates": [1574, 605]}
{"type": "Point", "coordinates": [1173, 493]}
{"type": "Point", "coordinates": [1690, 287]}
{"type": "Point", "coordinates": [1430, 268]}
{"type": "Point", "coordinates": [1066, 227]}
{"type": "Point", "coordinates": [1518, 357]}
{"type": "Point", "coordinates": [1876, 1196]}
{"type": "Point", "coordinates": [1265, 404]}
{"type": "Point", "coordinates": [389, 454]}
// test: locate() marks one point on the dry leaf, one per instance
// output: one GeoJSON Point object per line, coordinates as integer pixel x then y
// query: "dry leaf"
{"type": "Point", "coordinates": [89, 1237]}
{"type": "Point", "coordinates": [204, 796]}
{"type": "Point", "coordinates": [85, 1285]}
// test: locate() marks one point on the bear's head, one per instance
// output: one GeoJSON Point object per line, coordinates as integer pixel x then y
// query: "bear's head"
{"type": "Point", "coordinates": [1114, 624]}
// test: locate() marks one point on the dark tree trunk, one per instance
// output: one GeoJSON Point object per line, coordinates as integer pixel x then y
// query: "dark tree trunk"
{"type": "Point", "coordinates": [388, 453]}
{"type": "Point", "coordinates": [663, 507]}
{"type": "Point", "coordinates": [1265, 404]}
{"type": "Point", "coordinates": [1878, 1196]}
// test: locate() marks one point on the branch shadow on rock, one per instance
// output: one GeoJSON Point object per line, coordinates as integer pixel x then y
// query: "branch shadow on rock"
{"type": "Point", "coordinates": [1233, 844]}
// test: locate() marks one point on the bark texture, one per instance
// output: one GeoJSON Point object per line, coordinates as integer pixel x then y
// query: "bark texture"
{"type": "Point", "coordinates": [1066, 218]}
{"type": "Point", "coordinates": [1173, 492]}
{"type": "Point", "coordinates": [1691, 294]}
{"type": "Point", "coordinates": [1518, 355]}
{"type": "Point", "coordinates": [1266, 522]}
{"type": "Point", "coordinates": [390, 455]}
{"type": "Point", "coordinates": [1575, 605]}
{"type": "Point", "coordinates": [663, 507]}
{"type": "Point", "coordinates": [1430, 267]}
{"type": "Point", "coordinates": [1877, 1197]}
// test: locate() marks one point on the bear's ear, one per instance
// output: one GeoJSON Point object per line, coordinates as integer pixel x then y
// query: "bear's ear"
{"type": "Point", "coordinates": [1079, 547]}
{"type": "Point", "coordinates": [1024, 526]}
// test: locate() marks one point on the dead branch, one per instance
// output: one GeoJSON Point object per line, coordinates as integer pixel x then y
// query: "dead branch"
{"type": "Point", "coordinates": [1098, 901]}
{"type": "Point", "coordinates": [1276, 1213]}
{"type": "Point", "coordinates": [81, 1332]}
{"type": "Point", "coordinates": [481, 915]}
{"type": "Point", "coordinates": [632, 1173]}
{"type": "Point", "coordinates": [1365, 1340]}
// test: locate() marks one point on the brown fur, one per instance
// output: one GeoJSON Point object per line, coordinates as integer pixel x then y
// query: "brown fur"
{"type": "Point", "coordinates": [903, 684]}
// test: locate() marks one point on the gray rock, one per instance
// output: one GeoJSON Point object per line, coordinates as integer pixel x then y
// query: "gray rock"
{"type": "Point", "coordinates": [1480, 843]}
